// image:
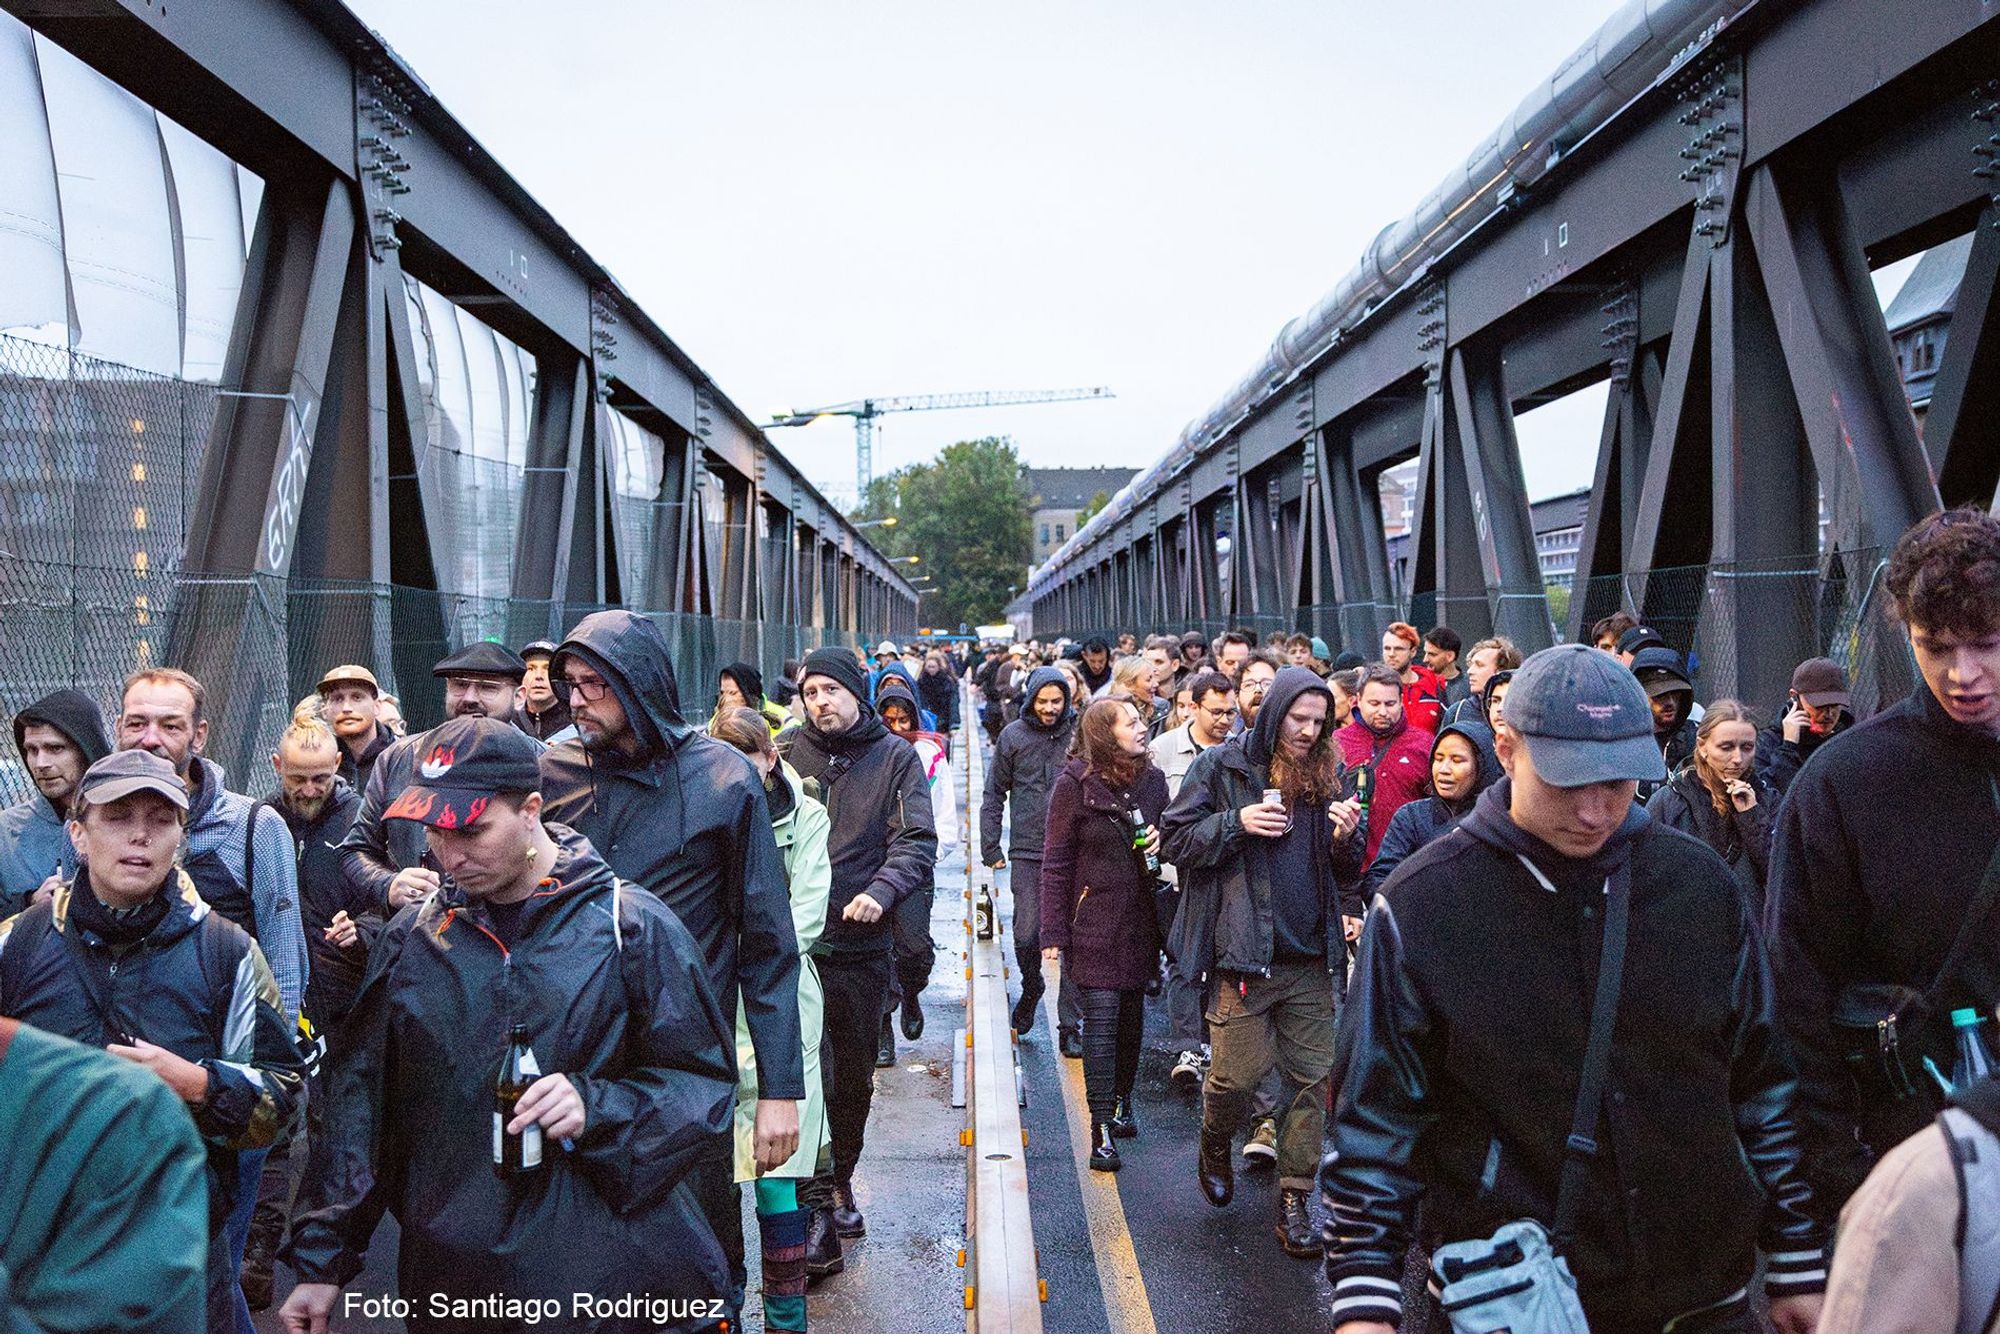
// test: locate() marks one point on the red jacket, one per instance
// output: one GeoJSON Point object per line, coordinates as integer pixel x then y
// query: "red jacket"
{"type": "Point", "coordinates": [1402, 765]}
{"type": "Point", "coordinates": [1423, 700]}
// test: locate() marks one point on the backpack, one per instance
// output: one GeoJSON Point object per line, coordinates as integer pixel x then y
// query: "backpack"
{"type": "Point", "coordinates": [1972, 1129]}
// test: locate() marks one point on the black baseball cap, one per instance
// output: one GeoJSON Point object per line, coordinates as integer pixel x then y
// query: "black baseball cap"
{"type": "Point", "coordinates": [541, 648]}
{"type": "Point", "coordinates": [467, 762]}
{"type": "Point", "coordinates": [1820, 682]}
{"type": "Point", "coordinates": [484, 658]}
{"type": "Point", "coordinates": [1639, 637]}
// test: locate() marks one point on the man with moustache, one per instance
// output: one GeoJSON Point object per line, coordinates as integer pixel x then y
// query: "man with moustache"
{"type": "Point", "coordinates": [350, 700]}
{"type": "Point", "coordinates": [386, 863]}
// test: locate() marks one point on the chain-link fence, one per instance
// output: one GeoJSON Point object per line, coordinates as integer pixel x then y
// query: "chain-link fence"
{"type": "Point", "coordinates": [98, 468]}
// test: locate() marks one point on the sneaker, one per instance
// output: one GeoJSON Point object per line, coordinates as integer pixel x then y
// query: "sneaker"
{"type": "Point", "coordinates": [1261, 1149]}
{"type": "Point", "coordinates": [1190, 1067]}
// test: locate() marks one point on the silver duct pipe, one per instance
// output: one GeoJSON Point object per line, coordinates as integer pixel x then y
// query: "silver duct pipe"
{"type": "Point", "coordinates": [1627, 55]}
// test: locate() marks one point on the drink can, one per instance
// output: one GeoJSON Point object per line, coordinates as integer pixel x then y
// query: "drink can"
{"type": "Point", "coordinates": [1274, 796]}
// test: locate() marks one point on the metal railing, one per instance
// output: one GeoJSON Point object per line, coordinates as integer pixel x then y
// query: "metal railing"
{"type": "Point", "coordinates": [1003, 1287]}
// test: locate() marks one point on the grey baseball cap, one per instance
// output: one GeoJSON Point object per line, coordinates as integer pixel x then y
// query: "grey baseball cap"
{"type": "Point", "coordinates": [125, 772]}
{"type": "Point", "coordinates": [1585, 718]}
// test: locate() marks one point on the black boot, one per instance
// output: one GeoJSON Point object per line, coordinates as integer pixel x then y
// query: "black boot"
{"type": "Point", "coordinates": [847, 1219]}
{"type": "Point", "coordinates": [885, 1046]}
{"type": "Point", "coordinates": [1124, 1124]}
{"type": "Point", "coordinates": [913, 1014]}
{"type": "Point", "coordinates": [1103, 1152]}
{"type": "Point", "coordinates": [1295, 1229]}
{"type": "Point", "coordinates": [1218, 1179]}
{"type": "Point", "coordinates": [1072, 1041]}
{"type": "Point", "coordinates": [823, 1253]}
{"type": "Point", "coordinates": [1025, 1010]}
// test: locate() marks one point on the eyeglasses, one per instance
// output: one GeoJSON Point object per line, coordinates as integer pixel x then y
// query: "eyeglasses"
{"type": "Point", "coordinates": [591, 690]}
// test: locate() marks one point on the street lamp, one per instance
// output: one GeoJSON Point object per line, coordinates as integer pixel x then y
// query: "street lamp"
{"type": "Point", "coordinates": [889, 522]}
{"type": "Point", "coordinates": [904, 560]}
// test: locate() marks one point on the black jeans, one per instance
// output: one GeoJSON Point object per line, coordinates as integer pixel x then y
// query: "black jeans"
{"type": "Point", "coordinates": [1025, 883]}
{"type": "Point", "coordinates": [853, 986]}
{"type": "Point", "coordinates": [1114, 1025]}
{"type": "Point", "coordinates": [713, 1182]}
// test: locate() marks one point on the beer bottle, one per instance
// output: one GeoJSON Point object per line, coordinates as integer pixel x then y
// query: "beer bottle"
{"type": "Point", "coordinates": [1148, 854]}
{"type": "Point", "coordinates": [515, 1153]}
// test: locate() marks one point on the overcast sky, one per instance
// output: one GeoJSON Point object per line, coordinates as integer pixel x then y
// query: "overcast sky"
{"type": "Point", "coordinates": [824, 201]}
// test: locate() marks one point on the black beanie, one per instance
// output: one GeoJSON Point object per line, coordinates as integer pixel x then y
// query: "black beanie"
{"type": "Point", "coordinates": [838, 664]}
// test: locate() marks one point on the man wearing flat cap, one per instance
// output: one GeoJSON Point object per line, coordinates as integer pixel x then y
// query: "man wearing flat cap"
{"type": "Point", "coordinates": [387, 863]}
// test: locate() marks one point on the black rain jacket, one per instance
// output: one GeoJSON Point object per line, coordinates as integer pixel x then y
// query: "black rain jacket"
{"type": "Point", "coordinates": [324, 891]}
{"type": "Point", "coordinates": [1026, 760]}
{"type": "Point", "coordinates": [613, 995]}
{"type": "Point", "coordinates": [1225, 922]}
{"type": "Point", "coordinates": [1461, 1048]}
{"type": "Point", "coordinates": [686, 817]}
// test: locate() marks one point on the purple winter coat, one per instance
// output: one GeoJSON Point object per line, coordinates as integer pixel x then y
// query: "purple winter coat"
{"type": "Point", "coordinates": [1097, 900]}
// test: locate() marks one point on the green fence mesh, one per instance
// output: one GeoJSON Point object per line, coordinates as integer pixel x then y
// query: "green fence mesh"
{"type": "Point", "coordinates": [98, 469]}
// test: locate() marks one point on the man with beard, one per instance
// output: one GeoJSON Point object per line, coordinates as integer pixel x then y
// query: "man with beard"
{"type": "Point", "coordinates": [127, 957]}
{"type": "Point", "coordinates": [530, 937]}
{"type": "Point", "coordinates": [883, 848]}
{"type": "Point", "coordinates": [543, 713]}
{"type": "Point", "coordinates": [59, 736]}
{"type": "Point", "coordinates": [1261, 915]}
{"type": "Point", "coordinates": [1672, 694]}
{"type": "Point", "coordinates": [1096, 660]}
{"type": "Point", "coordinates": [1390, 757]}
{"type": "Point", "coordinates": [684, 815]}
{"type": "Point", "coordinates": [1030, 753]}
{"type": "Point", "coordinates": [350, 700]}
{"type": "Point", "coordinates": [386, 864]}
{"type": "Point", "coordinates": [1817, 710]}
{"type": "Point", "coordinates": [318, 807]}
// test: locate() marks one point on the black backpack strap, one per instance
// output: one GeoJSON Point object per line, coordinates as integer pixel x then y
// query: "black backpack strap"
{"type": "Point", "coordinates": [1582, 1146]}
{"type": "Point", "coordinates": [32, 926]}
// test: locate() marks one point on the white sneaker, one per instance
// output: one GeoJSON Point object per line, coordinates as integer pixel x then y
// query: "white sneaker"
{"type": "Point", "coordinates": [1190, 1067]}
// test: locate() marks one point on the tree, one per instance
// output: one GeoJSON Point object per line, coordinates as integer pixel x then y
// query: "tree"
{"type": "Point", "coordinates": [1089, 512]}
{"type": "Point", "coordinates": [963, 515]}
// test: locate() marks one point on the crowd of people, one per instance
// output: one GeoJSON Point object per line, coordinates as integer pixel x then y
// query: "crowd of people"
{"type": "Point", "coordinates": [1542, 991]}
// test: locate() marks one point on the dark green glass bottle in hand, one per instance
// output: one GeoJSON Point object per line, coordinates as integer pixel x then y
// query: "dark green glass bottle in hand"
{"type": "Point", "coordinates": [515, 1152]}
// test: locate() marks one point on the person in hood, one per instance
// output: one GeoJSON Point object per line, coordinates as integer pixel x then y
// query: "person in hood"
{"type": "Point", "coordinates": [916, 952]}
{"type": "Point", "coordinates": [58, 736]}
{"type": "Point", "coordinates": [128, 958]}
{"type": "Point", "coordinates": [1098, 914]}
{"type": "Point", "coordinates": [1388, 755]}
{"type": "Point", "coordinates": [1666, 681]}
{"type": "Point", "coordinates": [1719, 797]}
{"type": "Point", "coordinates": [883, 848]}
{"type": "Point", "coordinates": [1030, 753]}
{"type": "Point", "coordinates": [685, 816]}
{"type": "Point", "coordinates": [903, 673]}
{"type": "Point", "coordinates": [1463, 1041]}
{"type": "Point", "coordinates": [529, 932]}
{"type": "Point", "coordinates": [1817, 709]}
{"type": "Point", "coordinates": [386, 861]}
{"type": "Point", "coordinates": [741, 686]}
{"type": "Point", "coordinates": [542, 711]}
{"type": "Point", "coordinates": [350, 702]}
{"type": "Point", "coordinates": [1463, 765]}
{"type": "Point", "coordinates": [1263, 843]}
{"type": "Point", "coordinates": [799, 824]}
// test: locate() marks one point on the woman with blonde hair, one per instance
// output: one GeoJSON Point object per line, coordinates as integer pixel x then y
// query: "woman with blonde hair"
{"type": "Point", "coordinates": [1719, 797]}
{"type": "Point", "coordinates": [800, 825]}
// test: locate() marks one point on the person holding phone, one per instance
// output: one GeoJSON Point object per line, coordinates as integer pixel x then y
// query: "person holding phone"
{"type": "Point", "coordinates": [1818, 708]}
{"type": "Point", "coordinates": [1265, 841]}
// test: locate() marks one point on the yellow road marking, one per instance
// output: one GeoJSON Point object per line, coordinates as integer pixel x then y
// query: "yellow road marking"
{"type": "Point", "coordinates": [1127, 1310]}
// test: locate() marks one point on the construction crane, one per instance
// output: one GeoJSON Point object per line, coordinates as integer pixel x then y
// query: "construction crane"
{"type": "Point", "coordinates": [866, 410]}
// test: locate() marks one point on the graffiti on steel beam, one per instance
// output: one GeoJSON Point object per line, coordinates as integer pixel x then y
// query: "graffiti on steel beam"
{"type": "Point", "coordinates": [288, 487]}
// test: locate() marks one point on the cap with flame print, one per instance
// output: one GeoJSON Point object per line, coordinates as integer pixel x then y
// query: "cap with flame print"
{"type": "Point", "coordinates": [463, 764]}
